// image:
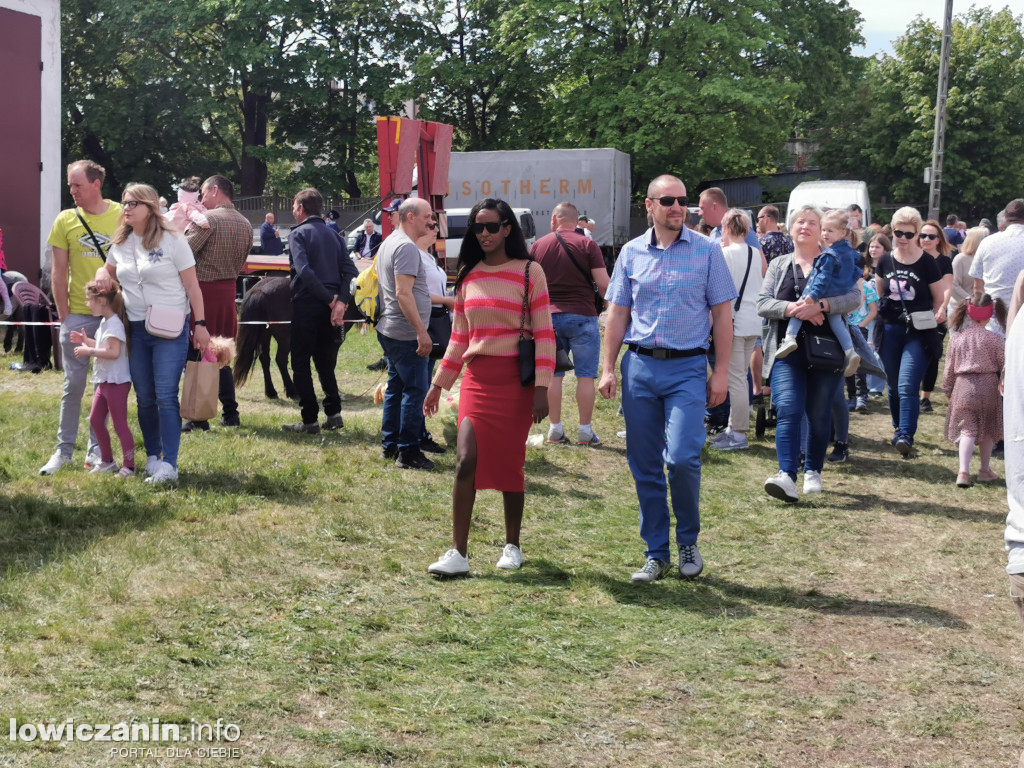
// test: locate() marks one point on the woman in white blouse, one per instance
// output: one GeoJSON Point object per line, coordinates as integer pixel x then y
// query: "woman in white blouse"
{"type": "Point", "coordinates": [155, 268]}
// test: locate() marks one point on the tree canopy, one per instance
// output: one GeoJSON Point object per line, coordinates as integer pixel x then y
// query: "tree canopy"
{"type": "Point", "coordinates": [704, 89]}
{"type": "Point", "coordinates": [886, 135]}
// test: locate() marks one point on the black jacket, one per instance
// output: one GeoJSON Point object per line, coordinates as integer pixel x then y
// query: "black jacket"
{"type": "Point", "coordinates": [322, 267]}
{"type": "Point", "coordinates": [375, 240]}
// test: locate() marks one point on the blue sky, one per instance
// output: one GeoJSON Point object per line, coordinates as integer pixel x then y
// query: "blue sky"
{"type": "Point", "coordinates": [885, 20]}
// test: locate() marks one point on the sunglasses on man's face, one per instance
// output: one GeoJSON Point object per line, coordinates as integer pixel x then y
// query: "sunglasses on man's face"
{"type": "Point", "coordinates": [904, 235]}
{"type": "Point", "coordinates": [923, 236]}
{"type": "Point", "coordinates": [478, 227]}
{"type": "Point", "coordinates": [666, 201]}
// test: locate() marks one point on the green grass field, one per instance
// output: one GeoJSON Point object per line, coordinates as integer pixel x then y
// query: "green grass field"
{"type": "Point", "coordinates": [281, 586]}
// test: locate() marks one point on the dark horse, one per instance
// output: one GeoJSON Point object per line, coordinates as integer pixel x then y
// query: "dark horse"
{"type": "Point", "coordinates": [268, 301]}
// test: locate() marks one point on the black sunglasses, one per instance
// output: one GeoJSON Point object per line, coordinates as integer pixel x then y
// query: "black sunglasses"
{"type": "Point", "coordinates": [668, 200]}
{"type": "Point", "coordinates": [478, 227]}
{"type": "Point", "coordinates": [904, 235]}
{"type": "Point", "coordinates": [923, 236]}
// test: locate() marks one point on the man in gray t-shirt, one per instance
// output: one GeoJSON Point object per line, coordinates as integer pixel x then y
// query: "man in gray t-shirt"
{"type": "Point", "coordinates": [402, 333]}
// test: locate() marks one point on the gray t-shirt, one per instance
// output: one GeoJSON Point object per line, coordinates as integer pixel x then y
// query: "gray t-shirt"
{"type": "Point", "coordinates": [399, 255]}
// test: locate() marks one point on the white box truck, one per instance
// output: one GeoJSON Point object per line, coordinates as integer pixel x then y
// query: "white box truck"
{"type": "Point", "coordinates": [596, 181]}
{"type": "Point", "coordinates": [829, 194]}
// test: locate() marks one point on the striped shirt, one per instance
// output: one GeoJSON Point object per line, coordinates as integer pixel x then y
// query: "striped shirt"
{"type": "Point", "coordinates": [670, 291]}
{"type": "Point", "coordinates": [222, 249]}
{"type": "Point", "coordinates": [488, 311]}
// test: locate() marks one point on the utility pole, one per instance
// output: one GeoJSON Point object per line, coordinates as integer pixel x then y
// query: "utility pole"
{"type": "Point", "coordinates": [939, 142]}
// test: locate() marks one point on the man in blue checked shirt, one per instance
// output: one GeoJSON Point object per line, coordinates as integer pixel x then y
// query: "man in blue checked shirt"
{"type": "Point", "coordinates": [670, 289]}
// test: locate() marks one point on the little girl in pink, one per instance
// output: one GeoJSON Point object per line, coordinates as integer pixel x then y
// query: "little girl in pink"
{"type": "Point", "coordinates": [974, 363]}
{"type": "Point", "coordinates": [111, 377]}
{"type": "Point", "coordinates": [188, 209]}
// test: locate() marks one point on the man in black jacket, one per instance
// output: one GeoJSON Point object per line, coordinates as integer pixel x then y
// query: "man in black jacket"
{"type": "Point", "coordinates": [320, 295]}
{"type": "Point", "coordinates": [367, 241]}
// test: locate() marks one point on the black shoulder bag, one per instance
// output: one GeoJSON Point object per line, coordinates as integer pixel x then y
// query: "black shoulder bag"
{"type": "Point", "coordinates": [820, 345]}
{"type": "Point", "coordinates": [528, 347]}
{"type": "Point", "coordinates": [598, 299]}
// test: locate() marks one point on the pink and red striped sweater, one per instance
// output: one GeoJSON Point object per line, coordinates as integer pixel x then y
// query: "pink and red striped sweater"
{"type": "Point", "coordinates": [488, 311]}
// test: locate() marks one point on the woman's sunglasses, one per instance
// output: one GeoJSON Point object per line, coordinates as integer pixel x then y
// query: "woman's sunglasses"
{"type": "Point", "coordinates": [904, 235]}
{"type": "Point", "coordinates": [923, 236]}
{"type": "Point", "coordinates": [478, 227]}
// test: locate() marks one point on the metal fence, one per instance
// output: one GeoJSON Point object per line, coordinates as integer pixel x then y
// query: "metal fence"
{"type": "Point", "coordinates": [351, 210]}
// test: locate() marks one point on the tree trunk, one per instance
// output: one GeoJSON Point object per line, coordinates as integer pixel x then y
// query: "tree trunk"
{"type": "Point", "coordinates": [254, 134]}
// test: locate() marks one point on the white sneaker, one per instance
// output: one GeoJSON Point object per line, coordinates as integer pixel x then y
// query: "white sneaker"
{"type": "Point", "coordinates": [621, 433]}
{"type": "Point", "coordinates": [730, 441]}
{"type": "Point", "coordinates": [781, 486]}
{"type": "Point", "coordinates": [511, 558]}
{"type": "Point", "coordinates": [93, 460]}
{"type": "Point", "coordinates": [165, 473]}
{"type": "Point", "coordinates": [152, 465]}
{"type": "Point", "coordinates": [56, 461]}
{"type": "Point", "coordinates": [102, 468]}
{"type": "Point", "coordinates": [451, 563]}
{"type": "Point", "coordinates": [787, 347]}
{"type": "Point", "coordinates": [812, 481]}
{"type": "Point", "coordinates": [852, 363]}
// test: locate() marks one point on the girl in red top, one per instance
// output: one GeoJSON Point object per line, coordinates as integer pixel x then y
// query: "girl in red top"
{"type": "Point", "coordinates": [498, 291]}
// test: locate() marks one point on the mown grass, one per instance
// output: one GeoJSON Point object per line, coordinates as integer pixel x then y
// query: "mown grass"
{"type": "Point", "coordinates": [281, 586]}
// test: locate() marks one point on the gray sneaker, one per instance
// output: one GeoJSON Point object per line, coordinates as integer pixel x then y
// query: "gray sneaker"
{"type": "Point", "coordinates": [730, 441]}
{"type": "Point", "coordinates": [334, 421]}
{"type": "Point", "coordinates": [690, 561]}
{"type": "Point", "coordinates": [299, 426]}
{"type": "Point", "coordinates": [582, 438]}
{"type": "Point", "coordinates": [653, 570]}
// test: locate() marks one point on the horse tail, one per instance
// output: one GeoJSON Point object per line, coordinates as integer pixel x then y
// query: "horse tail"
{"type": "Point", "coordinates": [250, 337]}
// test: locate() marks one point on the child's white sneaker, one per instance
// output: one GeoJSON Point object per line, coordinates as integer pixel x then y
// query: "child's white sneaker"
{"type": "Point", "coordinates": [103, 468]}
{"type": "Point", "coordinates": [852, 363]}
{"type": "Point", "coordinates": [787, 347]}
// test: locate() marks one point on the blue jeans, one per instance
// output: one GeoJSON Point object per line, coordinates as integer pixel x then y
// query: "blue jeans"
{"type": "Point", "coordinates": [581, 337]}
{"type": "Point", "coordinates": [796, 391]}
{"type": "Point", "coordinates": [663, 404]}
{"type": "Point", "coordinates": [905, 362]}
{"type": "Point", "coordinates": [156, 366]}
{"type": "Point", "coordinates": [408, 382]}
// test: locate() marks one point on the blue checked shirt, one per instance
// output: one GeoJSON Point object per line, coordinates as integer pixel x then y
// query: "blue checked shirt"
{"type": "Point", "coordinates": [670, 291]}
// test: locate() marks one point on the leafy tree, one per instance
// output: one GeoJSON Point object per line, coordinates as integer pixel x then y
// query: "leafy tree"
{"type": "Point", "coordinates": [887, 132]}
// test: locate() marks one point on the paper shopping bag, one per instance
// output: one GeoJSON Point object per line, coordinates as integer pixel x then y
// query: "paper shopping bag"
{"type": "Point", "coordinates": [199, 394]}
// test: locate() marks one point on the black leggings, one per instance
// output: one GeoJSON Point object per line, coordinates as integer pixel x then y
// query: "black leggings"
{"type": "Point", "coordinates": [932, 373]}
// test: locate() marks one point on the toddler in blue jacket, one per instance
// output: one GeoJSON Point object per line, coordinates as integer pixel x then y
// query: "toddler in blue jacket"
{"type": "Point", "coordinates": [835, 272]}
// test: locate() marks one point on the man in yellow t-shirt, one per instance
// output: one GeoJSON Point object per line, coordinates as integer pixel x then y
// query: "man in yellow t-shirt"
{"type": "Point", "coordinates": [76, 258]}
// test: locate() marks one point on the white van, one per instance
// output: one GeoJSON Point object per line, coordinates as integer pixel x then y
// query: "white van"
{"type": "Point", "coordinates": [829, 194]}
{"type": "Point", "coordinates": [458, 221]}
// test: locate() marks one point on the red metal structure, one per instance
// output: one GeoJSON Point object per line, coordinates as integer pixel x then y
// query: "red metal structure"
{"type": "Point", "coordinates": [403, 144]}
{"type": "Point", "coordinates": [20, 149]}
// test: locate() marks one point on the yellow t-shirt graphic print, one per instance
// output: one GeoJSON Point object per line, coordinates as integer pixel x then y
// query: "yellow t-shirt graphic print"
{"type": "Point", "coordinates": [83, 261]}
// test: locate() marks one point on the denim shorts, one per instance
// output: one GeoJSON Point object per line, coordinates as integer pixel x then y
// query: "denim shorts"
{"type": "Point", "coordinates": [581, 337]}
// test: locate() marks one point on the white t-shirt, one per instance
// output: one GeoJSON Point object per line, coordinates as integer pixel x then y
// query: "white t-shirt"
{"type": "Point", "coordinates": [437, 280]}
{"type": "Point", "coordinates": [111, 371]}
{"type": "Point", "coordinates": [745, 321]}
{"type": "Point", "coordinates": [160, 269]}
{"type": "Point", "coordinates": [998, 261]}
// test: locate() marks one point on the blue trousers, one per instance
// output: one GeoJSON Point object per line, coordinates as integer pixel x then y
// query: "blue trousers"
{"type": "Point", "coordinates": [905, 362]}
{"type": "Point", "coordinates": [663, 404]}
{"type": "Point", "coordinates": [408, 382]}
{"type": "Point", "coordinates": [796, 391]}
{"type": "Point", "coordinates": [156, 366]}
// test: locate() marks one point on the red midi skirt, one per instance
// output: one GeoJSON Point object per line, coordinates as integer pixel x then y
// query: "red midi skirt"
{"type": "Point", "coordinates": [501, 412]}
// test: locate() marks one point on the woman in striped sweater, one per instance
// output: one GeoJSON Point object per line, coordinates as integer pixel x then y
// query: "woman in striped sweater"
{"type": "Point", "coordinates": [495, 410]}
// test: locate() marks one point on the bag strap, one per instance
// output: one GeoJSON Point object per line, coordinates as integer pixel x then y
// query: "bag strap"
{"type": "Point", "coordinates": [588, 278]}
{"type": "Point", "coordinates": [743, 285]}
{"type": "Point", "coordinates": [526, 295]}
{"type": "Point", "coordinates": [99, 250]}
